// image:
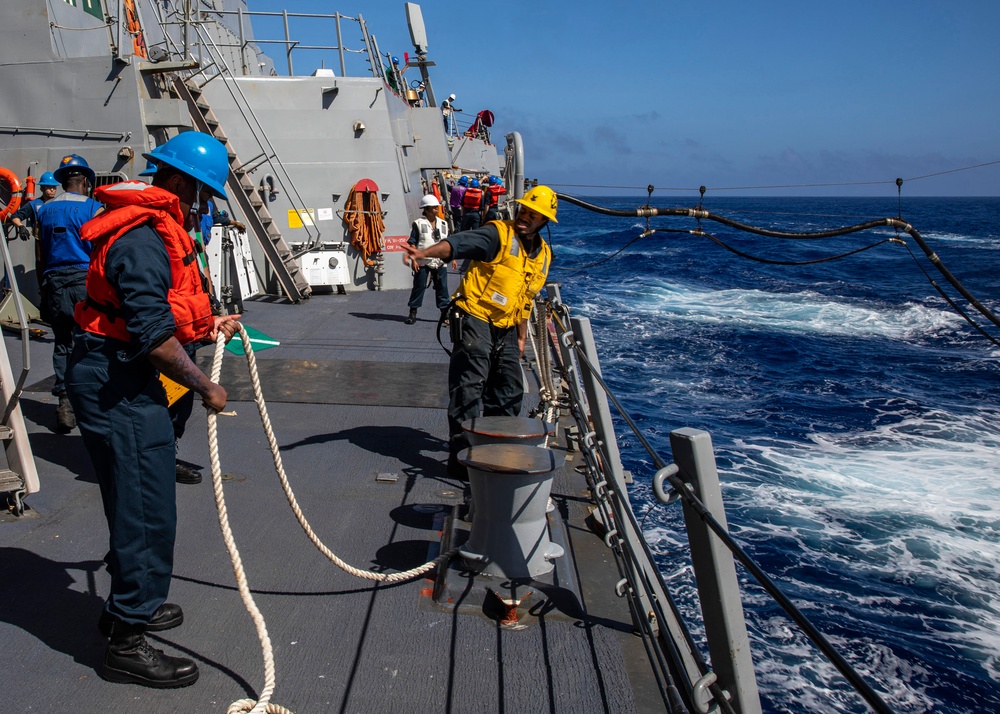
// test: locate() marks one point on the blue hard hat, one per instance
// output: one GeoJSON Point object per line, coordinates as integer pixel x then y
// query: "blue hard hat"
{"type": "Point", "coordinates": [70, 165]}
{"type": "Point", "coordinates": [150, 169]}
{"type": "Point", "coordinates": [201, 156]}
{"type": "Point", "coordinates": [395, 60]}
{"type": "Point", "coordinates": [464, 181]}
{"type": "Point", "coordinates": [474, 183]}
{"type": "Point", "coordinates": [48, 179]}
{"type": "Point", "coordinates": [493, 180]}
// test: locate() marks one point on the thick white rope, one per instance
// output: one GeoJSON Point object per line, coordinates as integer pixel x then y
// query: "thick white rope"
{"type": "Point", "coordinates": [263, 705]}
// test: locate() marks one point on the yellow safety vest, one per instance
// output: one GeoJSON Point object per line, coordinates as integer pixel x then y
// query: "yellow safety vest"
{"type": "Point", "coordinates": [501, 291]}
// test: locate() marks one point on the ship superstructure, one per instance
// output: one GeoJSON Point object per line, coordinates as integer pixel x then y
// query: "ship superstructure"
{"type": "Point", "coordinates": [112, 83]}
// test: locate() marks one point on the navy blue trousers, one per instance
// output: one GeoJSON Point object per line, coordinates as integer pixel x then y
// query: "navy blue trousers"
{"type": "Point", "coordinates": [64, 289]}
{"type": "Point", "coordinates": [471, 220]}
{"type": "Point", "coordinates": [122, 413]}
{"type": "Point", "coordinates": [439, 278]}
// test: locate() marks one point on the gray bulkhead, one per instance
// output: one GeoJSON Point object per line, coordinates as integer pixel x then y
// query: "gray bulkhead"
{"type": "Point", "coordinates": [64, 92]}
{"type": "Point", "coordinates": [313, 131]}
{"type": "Point", "coordinates": [72, 84]}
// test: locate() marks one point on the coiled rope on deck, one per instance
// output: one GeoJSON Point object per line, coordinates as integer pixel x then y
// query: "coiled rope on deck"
{"type": "Point", "coordinates": [363, 217]}
{"type": "Point", "coordinates": [263, 705]}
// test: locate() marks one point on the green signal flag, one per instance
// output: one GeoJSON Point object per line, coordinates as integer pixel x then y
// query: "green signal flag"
{"type": "Point", "coordinates": [258, 341]}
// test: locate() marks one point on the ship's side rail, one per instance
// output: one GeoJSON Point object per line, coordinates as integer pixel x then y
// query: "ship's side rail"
{"type": "Point", "coordinates": [685, 679]}
{"type": "Point", "coordinates": [291, 45]}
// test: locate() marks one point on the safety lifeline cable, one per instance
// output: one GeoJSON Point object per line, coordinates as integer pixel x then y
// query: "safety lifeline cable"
{"type": "Point", "coordinates": [263, 705]}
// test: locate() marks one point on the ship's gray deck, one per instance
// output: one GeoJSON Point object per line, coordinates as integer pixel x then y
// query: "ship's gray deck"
{"type": "Point", "coordinates": [352, 393]}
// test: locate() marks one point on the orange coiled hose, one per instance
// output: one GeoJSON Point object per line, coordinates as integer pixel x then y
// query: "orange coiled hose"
{"type": "Point", "coordinates": [363, 216]}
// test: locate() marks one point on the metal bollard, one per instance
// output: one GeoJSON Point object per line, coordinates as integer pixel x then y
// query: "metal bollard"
{"type": "Point", "coordinates": [510, 490]}
{"type": "Point", "coordinates": [507, 430]}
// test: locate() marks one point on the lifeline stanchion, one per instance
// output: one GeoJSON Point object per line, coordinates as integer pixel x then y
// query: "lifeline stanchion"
{"type": "Point", "coordinates": [262, 705]}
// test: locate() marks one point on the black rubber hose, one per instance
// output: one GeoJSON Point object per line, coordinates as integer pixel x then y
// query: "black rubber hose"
{"type": "Point", "coordinates": [648, 212]}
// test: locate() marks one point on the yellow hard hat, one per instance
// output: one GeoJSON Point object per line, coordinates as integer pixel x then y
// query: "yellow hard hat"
{"type": "Point", "coordinates": [543, 200]}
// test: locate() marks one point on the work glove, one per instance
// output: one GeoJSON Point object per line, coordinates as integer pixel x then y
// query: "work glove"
{"type": "Point", "coordinates": [23, 233]}
{"type": "Point", "coordinates": [238, 226]}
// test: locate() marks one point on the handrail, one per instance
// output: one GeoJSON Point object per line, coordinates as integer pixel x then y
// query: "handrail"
{"type": "Point", "coordinates": [288, 42]}
{"type": "Point", "coordinates": [15, 394]}
{"type": "Point", "coordinates": [79, 133]}
{"type": "Point", "coordinates": [259, 134]}
{"type": "Point", "coordinates": [559, 313]}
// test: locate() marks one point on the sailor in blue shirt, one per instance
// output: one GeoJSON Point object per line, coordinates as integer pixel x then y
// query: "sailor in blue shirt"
{"type": "Point", "coordinates": [62, 260]}
{"type": "Point", "coordinates": [27, 216]}
{"type": "Point", "coordinates": [145, 300]}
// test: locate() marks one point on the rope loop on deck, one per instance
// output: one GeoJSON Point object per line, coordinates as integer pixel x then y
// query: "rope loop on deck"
{"type": "Point", "coordinates": [263, 705]}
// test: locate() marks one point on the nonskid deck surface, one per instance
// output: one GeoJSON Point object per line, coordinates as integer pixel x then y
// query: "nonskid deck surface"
{"type": "Point", "coordinates": [341, 644]}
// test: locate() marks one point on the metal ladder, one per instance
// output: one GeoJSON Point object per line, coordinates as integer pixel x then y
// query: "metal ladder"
{"type": "Point", "coordinates": [20, 478]}
{"type": "Point", "coordinates": [245, 193]}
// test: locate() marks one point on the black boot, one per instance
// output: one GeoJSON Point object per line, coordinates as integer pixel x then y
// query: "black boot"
{"type": "Point", "coordinates": [130, 659]}
{"type": "Point", "coordinates": [166, 617]}
{"type": "Point", "coordinates": [65, 418]}
{"type": "Point", "coordinates": [187, 474]}
{"type": "Point", "coordinates": [412, 317]}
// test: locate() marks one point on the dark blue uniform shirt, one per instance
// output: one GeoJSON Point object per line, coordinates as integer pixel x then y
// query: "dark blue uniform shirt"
{"type": "Point", "coordinates": [138, 268]}
{"type": "Point", "coordinates": [479, 244]}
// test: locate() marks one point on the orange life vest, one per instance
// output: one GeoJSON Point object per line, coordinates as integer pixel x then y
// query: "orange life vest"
{"type": "Point", "coordinates": [132, 204]}
{"type": "Point", "coordinates": [472, 198]}
{"type": "Point", "coordinates": [496, 191]}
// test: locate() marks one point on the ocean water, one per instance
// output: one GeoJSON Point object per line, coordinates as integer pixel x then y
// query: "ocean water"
{"type": "Point", "coordinates": [856, 422]}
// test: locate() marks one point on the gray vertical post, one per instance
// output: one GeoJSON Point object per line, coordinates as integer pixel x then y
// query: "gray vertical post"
{"type": "Point", "coordinates": [118, 42]}
{"type": "Point", "coordinates": [243, 44]}
{"type": "Point", "coordinates": [600, 416]}
{"type": "Point", "coordinates": [187, 28]}
{"type": "Point", "coordinates": [340, 48]}
{"type": "Point", "coordinates": [600, 412]}
{"type": "Point", "coordinates": [517, 155]}
{"type": "Point", "coordinates": [715, 572]}
{"type": "Point", "coordinates": [565, 353]}
{"type": "Point", "coordinates": [288, 44]}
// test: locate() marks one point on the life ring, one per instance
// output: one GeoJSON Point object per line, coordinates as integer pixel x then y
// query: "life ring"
{"type": "Point", "coordinates": [9, 184]}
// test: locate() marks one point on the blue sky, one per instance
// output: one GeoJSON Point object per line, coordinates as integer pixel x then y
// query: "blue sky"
{"type": "Point", "coordinates": [723, 94]}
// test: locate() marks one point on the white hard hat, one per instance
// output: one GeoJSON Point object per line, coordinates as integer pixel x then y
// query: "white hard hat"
{"type": "Point", "coordinates": [429, 201]}
{"type": "Point", "coordinates": [451, 96]}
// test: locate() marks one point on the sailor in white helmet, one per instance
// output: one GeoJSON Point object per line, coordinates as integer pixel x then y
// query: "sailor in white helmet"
{"type": "Point", "coordinates": [447, 111]}
{"type": "Point", "coordinates": [428, 230]}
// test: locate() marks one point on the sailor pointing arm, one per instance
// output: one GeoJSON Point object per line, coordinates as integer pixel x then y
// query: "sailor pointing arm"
{"type": "Point", "coordinates": [509, 264]}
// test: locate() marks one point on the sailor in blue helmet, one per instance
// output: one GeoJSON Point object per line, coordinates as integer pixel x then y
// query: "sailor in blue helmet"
{"type": "Point", "coordinates": [492, 198]}
{"type": "Point", "coordinates": [391, 75]}
{"type": "Point", "coordinates": [455, 200]}
{"type": "Point", "coordinates": [180, 410]}
{"type": "Point", "coordinates": [61, 262]}
{"type": "Point", "coordinates": [212, 217]}
{"type": "Point", "coordinates": [472, 205]}
{"type": "Point", "coordinates": [145, 300]}
{"type": "Point", "coordinates": [26, 217]}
